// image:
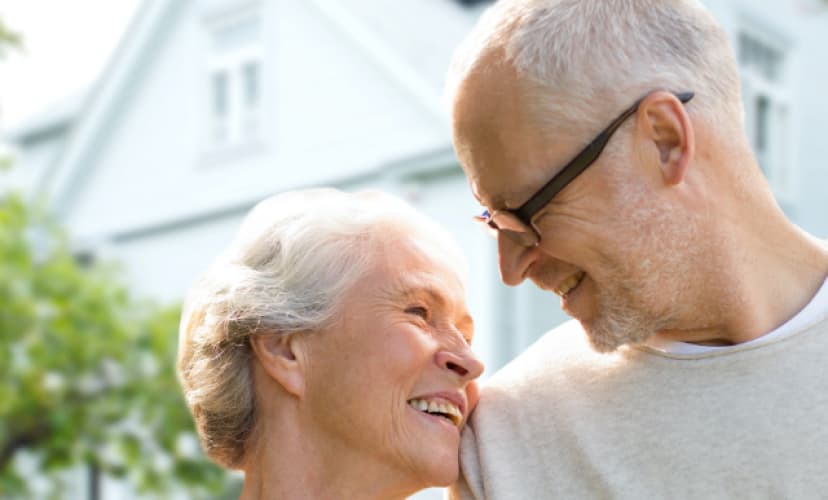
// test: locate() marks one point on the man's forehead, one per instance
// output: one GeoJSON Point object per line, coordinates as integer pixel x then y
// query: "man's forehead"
{"type": "Point", "coordinates": [508, 187]}
{"type": "Point", "coordinates": [501, 147]}
{"type": "Point", "coordinates": [494, 199]}
{"type": "Point", "coordinates": [492, 83]}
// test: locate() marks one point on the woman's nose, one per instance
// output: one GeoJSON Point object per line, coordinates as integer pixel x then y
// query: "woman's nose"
{"type": "Point", "coordinates": [514, 259]}
{"type": "Point", "coordinates": [465, 363]}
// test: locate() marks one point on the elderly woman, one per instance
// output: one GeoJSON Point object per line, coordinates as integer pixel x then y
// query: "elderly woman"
{"type": "Point", "coordinates": [326, 352]}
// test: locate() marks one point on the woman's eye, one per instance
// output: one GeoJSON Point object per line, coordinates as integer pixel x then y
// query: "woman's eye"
{"type": "Point", "coordinates": [418, 311]}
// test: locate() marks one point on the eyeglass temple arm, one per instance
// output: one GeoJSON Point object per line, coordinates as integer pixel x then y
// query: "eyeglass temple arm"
{"type": "Point", "coordinates": [585, 159]}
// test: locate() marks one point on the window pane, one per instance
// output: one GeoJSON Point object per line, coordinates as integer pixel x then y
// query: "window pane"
{"type": "Point", "coordinates": [762, 122]}
{"type": "Point", "coordinates": [760, 56]}
{"type": "Point", "coordinates": [250, 79]}
{"type": "Point", "coordinates": [219, 84]}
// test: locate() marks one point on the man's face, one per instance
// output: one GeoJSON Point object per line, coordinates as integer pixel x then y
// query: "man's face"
{"type": "Point", "coordinates": [610, 247]}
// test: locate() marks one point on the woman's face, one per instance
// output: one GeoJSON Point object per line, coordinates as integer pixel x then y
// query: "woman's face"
{"type": "Point", "coordinates": [392, 382]}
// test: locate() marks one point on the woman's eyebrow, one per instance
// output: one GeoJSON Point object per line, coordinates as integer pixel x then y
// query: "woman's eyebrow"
{"type": "Point", "coordinates": [409, 288]}
{"type": "Point", "coordinates": [466, 326]}
{"type": "Point", "coordinates": [415, 291]}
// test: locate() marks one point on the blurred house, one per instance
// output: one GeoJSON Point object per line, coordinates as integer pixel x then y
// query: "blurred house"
{"type": "Point", "coordinates": [208, 106]}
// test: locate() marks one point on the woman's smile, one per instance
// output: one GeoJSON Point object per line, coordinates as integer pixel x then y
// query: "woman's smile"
{"type": "Point", "coordinates": [439, 407]}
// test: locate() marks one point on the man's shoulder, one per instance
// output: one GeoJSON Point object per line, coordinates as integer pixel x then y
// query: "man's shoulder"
{"type": "Point", "coordinates": [557, 354]}
{"type": "Point", "coordinates": [556, 370]}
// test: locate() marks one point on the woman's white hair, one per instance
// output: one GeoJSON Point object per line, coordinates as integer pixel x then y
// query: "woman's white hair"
{"type": "Point", "coordinates": [287, 271]}
{"type": "Point", "coordinates": [583, 60]}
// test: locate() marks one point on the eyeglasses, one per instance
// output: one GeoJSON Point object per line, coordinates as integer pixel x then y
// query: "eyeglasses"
{"type": "Point", "coordinates": [517, 223]}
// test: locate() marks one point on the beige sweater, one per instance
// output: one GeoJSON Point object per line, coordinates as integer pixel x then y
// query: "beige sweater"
{"type": "Point", "coordinates": [562, 421]}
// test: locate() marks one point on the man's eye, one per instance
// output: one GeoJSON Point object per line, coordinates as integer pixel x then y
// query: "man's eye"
{"type": "Point", "coordinates": [417, 311]}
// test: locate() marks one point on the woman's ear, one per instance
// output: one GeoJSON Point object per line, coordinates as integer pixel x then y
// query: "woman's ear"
{"type": "Point", "coordinates": [282, 359]}
{"type": "Point", "coordinates": [667, 125]}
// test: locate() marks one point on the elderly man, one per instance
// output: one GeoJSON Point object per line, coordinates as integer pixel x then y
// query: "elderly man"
{"type": "Point", "coordinates": [605, 140]}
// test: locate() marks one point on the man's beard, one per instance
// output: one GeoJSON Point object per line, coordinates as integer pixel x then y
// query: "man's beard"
{"type": "Point", "coordinates": [644, 292]}
{"type": "Point", "coordinates": [640, 298]}
{"type": "Point", "coordinates": [620, 322]}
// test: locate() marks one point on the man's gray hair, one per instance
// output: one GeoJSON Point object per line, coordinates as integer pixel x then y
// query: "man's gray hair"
{"type": "Point", "coordinates": [287, 271]}
{"type": "Point", "coordinates": [581, 58]}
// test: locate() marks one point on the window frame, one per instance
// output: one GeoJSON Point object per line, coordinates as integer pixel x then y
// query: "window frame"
{"type": "Point", "coordinates": [777, 156]}
{"type": "Point", "coordinates": [241, 124]}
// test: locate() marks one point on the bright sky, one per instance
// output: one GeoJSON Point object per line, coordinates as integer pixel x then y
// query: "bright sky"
{"type": "Point", "coordinates": [66, 45]}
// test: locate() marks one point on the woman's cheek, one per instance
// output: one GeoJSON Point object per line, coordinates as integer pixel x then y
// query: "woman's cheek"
{"type": "Point", "coordinates": [473, 395]}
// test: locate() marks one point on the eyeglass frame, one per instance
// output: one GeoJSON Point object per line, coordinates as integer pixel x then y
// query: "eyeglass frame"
{"type": "Point", "coordinates": [517, 223]}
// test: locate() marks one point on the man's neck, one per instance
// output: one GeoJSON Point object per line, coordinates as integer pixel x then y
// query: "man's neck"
{"type": "Point", "coordinates": [758, 289]}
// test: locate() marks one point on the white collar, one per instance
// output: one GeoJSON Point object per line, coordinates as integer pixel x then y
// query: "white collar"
{"type": "Point", "coordinates": [817, 306]}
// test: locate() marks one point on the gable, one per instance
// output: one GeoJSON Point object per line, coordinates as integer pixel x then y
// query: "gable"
{"type": "Point", "coordinates": [335, 103]}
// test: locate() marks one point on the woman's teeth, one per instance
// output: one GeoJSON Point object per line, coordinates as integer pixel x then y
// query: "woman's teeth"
{"type": "Point", "coordinates": [441, 408]}
{"type": "Point", "coordinates": [570, 283]}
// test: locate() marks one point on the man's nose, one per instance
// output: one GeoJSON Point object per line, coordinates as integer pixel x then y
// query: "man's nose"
{"type": "Point", "coordinates": [514, 259]}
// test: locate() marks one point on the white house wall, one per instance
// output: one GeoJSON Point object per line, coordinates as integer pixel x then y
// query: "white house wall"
{"type": "Point", "coordinates": [426, 46]}
{"type": "Point", "coordinates": [333, 111]}
{"type": "Point", "coordinates": [31, 163]}
{"type": "Point", "coordinates": [164, 263]}
{"type": "Point", "coordinates": [812, 102]}
{"type": "Point", "coordinates": [330, 112]}
{"type": "Point", "coordinates": [338, 112]}
{"type": "Point", "coordinates": [803, 24]}
{"type": "Point", "coordinates": [335, 108]}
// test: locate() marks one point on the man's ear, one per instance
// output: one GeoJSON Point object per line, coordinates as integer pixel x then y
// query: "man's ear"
{"type": "Point", "coordinates": [282, 359]}
{"type": "Point", "coordinates": [667, 125]}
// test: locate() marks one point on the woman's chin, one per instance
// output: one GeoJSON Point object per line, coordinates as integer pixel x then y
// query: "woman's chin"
{"type": "Point", "coordinates": [442, 473]}
{"type": "Point", "coordinates": [435, 452]}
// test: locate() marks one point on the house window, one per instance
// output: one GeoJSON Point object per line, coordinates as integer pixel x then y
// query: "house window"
{"type": "Point", "coordinates": [219, 113]}
{"type": "Point", "coordinates": [765, 88]}
{"type": "Point", "coordinates": [234, 78]}
{"type": "Point", "coordinates": [250, 98]}
{"type": "Point", "coordinates": [764, 59]}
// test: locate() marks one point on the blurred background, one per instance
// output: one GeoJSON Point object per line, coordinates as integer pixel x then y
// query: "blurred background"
{"type": "Point", "coordinates": [135, 135]}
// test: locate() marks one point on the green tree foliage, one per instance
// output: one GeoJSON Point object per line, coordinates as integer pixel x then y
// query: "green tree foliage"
{"type": "Point", "coordinates": [8, 39]}
{"type": "Point", "coordinates": [87, 371]}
